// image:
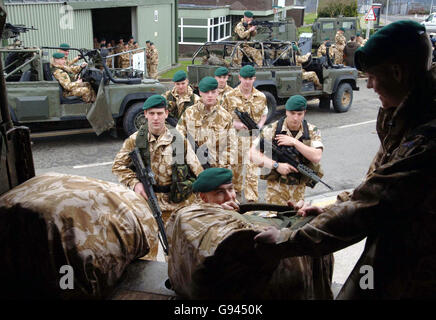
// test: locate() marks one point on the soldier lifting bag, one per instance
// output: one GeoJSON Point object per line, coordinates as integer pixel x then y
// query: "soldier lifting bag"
{"type": "Point", "coordinates": [212, 256]}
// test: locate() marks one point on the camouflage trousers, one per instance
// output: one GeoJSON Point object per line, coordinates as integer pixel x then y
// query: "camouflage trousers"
{"type": "Point", "coordinates": [311, 76]}
{"type": "Point", "coordinates": [339, 55]}
{"type": "Point", "coordinates": [253, 53]}
{"type": "Point", "coordinates": [153, 71]}
{"type": "Point", "coordinates": [250, 186]}
{"type": "Point", "coordinates": [86, 93]}
{"type": "Point", "coordinates": [280, 193]}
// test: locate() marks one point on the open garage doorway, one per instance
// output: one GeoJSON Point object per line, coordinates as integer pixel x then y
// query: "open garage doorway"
{"type": "Point", "coordinates": [112, 24]}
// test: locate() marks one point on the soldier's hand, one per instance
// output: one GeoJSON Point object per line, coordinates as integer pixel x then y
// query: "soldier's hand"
{"type": "Point", "coordinates": [252, 28]}
{"type": "Point", "coordinates": [84, 64]}
{"type": "Point", "coordinates": [230, 205]}
{"type": "Point", "coordinates": [305, 208]}
{"type": "Point", "coordinates": [269, 235]}
{"type": "Point", "coordinates": [139, 189]}
{"type": "Point", "coordinates": [285, 168]}
{"type": "Point", "coordinates": [285, 140]}
{"type": "Point", "coordinates": [239, 125]}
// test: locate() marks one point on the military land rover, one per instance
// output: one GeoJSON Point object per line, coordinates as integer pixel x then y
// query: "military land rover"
{"type": "Point", "coordinates": [279, 77]}
{"type": "Point", "coordinates": [327, 27]}
{"type": "Point", "coordinates": [35, 98]}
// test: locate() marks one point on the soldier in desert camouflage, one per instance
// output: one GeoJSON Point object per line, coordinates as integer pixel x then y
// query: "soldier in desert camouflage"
{"type": "Point", "coordinates": [67, 79]}
{"type": "Point", "coordinates": [284, 182]}
{"type": "Point", "coordinates": [125, 58]}
{"type": "Point", "coordinates": [195, 233]}
{"type": "Point", "coordinates": [340, 42]}
{"type": "Point", "coordinates": [307, 75]}
{"type": "Point", "coordinates": [244, 32]}
{"type": "Point", "coordinates": [210, 125]}
{"type": "Point", "coordinates": [222, 75]}
{"type": "Point", "coordinates": [153, 60]}
{"type": "Point", "coordinates": [246, 98]}
{"type": "Point", "coordinates": [161, 153]}
{"type": "Point", "coordinates": [181, 96]}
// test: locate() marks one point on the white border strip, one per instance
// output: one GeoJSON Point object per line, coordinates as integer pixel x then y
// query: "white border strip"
{"type": "Point", "coordinates": [93, 165]}
{"type": "Point", "coordinates": [356, 124]}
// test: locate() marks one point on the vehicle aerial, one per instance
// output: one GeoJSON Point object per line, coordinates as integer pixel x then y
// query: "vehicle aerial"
{"type": "Point", "coordinates": [35, 97]}
{"type": "Point", "coordinates": [327, 27]}
{"type": "Point", "coordinates": [279, 77]}
{"type": "Point", "coordinates": [430, 23]}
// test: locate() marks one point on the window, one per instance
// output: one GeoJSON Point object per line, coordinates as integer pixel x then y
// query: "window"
{"type": "Point", "coordinates": [199, 31]}
{"type": "Point", "coordinates": [328, 26]}
{"type": "Point", "coordinates": [348, 25]}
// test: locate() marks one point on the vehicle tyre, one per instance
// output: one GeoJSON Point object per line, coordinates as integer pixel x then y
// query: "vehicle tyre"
{"type": "Point", "coordinates": [272, 105]}
{"type": "Point", "coordinates": [324, 103]}
{"type": "Point", "coordinates": [343, 97]}
{"type": "Point", "coordinates": [134, 118]}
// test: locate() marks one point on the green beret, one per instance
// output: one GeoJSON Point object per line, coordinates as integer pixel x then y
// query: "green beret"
{"type": "Point", "coordinates": [389, 42]}
{"type": "Point", "coordinates": [326, 39]}
{"type": "Point", "coordinates": [358, 34]}
{"type": "Point", "coordinates": [247, 71]}
{"type": "Point", "coordinates": [179, 76]}
{"type": "Point", "coordinates": [248, 14]}
{"type": "Point", "coordinates": [155, 101]}
{"type": "Point", "coordinates": [58, 55]}
{"type": "Point", "coordinates": [207, 83]}
{"type": "Point", "coordinates": [342, 29]}
{"type": "Point", "coordinates": [221, 71]}
{"type": "Point", "coordinates": [296, 103]}
{"type": "Point", "coordinates": [64, 46]}
{"type": "Point", "coordinates": [212, 178]}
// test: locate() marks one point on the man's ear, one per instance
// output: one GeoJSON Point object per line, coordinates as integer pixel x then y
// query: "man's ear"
{"type": "Point", "coordinates": [397, 73]}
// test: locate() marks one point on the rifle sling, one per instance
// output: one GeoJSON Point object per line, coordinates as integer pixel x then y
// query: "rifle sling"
{"type": "Point", "coordinates": [162, 189]}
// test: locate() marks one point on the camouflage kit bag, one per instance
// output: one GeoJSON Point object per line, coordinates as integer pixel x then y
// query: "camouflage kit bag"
{"type": "Point", "coordinates": [57, 222]}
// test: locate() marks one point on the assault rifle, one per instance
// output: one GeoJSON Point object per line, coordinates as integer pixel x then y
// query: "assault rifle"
{"type": "Point", "coordinates": [13, 31]}
{"type": "Point", "coordinates": [289, 155]}
{"type": "Point", "coordinates": [173, 122]}
{"type": "Point", "coordinates": [146, 176]}
{"type": "Point", "coordinates": [246, 119]}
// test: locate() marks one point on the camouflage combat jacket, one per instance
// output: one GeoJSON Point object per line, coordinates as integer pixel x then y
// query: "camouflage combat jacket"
{"type": "Point", "coordinates": [177, 104]}
{"type": "Point", "coordinates": [194, 233]}
{"type": "Point", "coordinates": [255, 106]}
{"type": "Point", "coordinates": [222, 92]}
{"type": "Point", "coordinates": [154, 56]}
{"type": "Point", "coordinates": [314, 141]}
{"type": "Point", "coordinates": [242, 33]}
{"type": "Point", "coordinates": [215, 128]}
{"type": "Point", "coordinates": [161, 158]}
{"type": "Point", "coordinates": [394, 207]}
{"type": "Point", "coordinates": [65, 75]}
{"type": "Point", "coordinates": [340, 41]}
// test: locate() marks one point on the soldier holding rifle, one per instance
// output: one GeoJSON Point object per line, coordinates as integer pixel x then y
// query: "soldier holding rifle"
{"type": "Point", "coordinates": [285, 182]}
{"type": "Point", "coordinates": [159, 146]}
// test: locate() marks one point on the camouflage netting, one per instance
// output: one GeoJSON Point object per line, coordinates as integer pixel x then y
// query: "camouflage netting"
{"type": "Point", "coordinates": [212, 256]}
{"type": "Point", "coordinates": [51, 220]}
